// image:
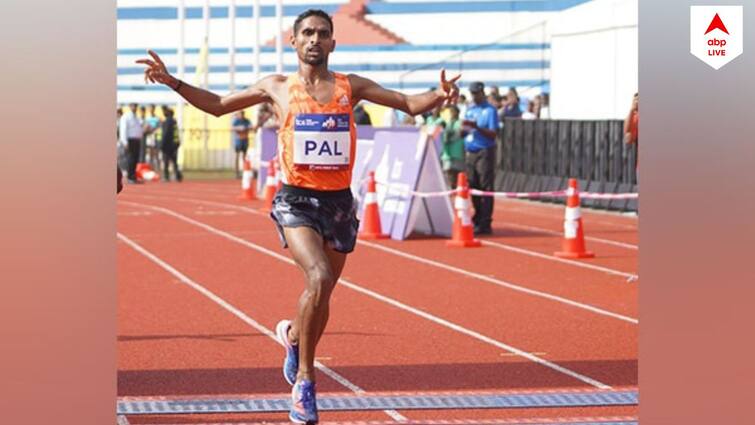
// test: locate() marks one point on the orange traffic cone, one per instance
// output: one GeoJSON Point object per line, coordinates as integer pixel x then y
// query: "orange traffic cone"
{"type": "Point", "coordinates": [371, 228]}
{"type": "Point", "coordinates": [248, 183]}
{"type": "Point", "coordinates": [270, 187]}
{"type": "Point", "coordinates": [462, 233]}
{"type": "Point", "coordinates": [573, 245]}
{"type": "Point", "coordinates": [144, 172]}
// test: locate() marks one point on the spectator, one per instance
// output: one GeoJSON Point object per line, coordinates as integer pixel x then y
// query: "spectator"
{"type": "Point", "coordinates": [119, 153]}
{"type": "Point", "coordinates": [452, 155]}
{"type": "Point", "coordinates": [631, 121]}
{"type": "Point", "coordinates": [462, 105]}
{"type": "Point", "coordinates": [131, 133]}
{"type": "Point", "coordinates": [361, 117]}
{"type": "Point", "coordinates": [493, 91]}
{"type": "Point", "coordinates": [240, 131]}
{"type": "Point", "coordinates": [434, 119]}
{"type": "Point", "coordinates": [151, 130]}
{"type": "Point", "coordinates": [118, 115]}
{"type": "Point", "coordinates": [480, 128]}
{"type": "Point", "coordinates": [122, 148]}
{"type": "Point", "coordinates": [511, 107]}
{"type": "Point", "coordinates": [495, 101]}
{"type": "Point", "coordinates": [118, 179]}
{"type": "Point", "coordinates": [265, 117]}
{"type": "Point", "coordinates": [531, 112]}
{"type": "Point", "coordinates": [143, 143]}
{"type": "Point", "coordinates": [631, 126]}
{"type": "Point", "coordinates": [545, 112]}
{"type": "Point", "coordinates": [169, 144]}
{"type": "Point", "coordinates": [391, 119]}
{"type": "Point", "coordinates": [538, 105]}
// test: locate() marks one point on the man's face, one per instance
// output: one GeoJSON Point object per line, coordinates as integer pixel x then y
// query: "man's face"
{"type": "Point", "coordinates": [313, 41]}
{"type": "Point", "coordinates": [133, 108]}
{"type": "Point", "coordinates": [478, 97]}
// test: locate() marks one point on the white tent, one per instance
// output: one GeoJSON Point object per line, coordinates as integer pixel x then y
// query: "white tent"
{"type": "Point", "coordinates": [594, 60]}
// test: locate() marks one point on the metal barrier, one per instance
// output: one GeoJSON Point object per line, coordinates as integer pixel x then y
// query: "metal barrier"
{"type": "Point", "coordinates": [539, 155]}
{"type": "Point", "coordinates": [208, 150]}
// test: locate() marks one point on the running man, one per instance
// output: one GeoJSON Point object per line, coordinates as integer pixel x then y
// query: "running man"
{"type": "Point", "coordinates": [314, 212]}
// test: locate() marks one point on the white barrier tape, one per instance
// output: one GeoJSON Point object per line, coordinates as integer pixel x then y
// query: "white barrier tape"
{"type": "Point", "coordinates": [572, 213]}
{"type": "Point", "coordinates": [588, 195]}
{"type": "Point", "coordinates": [556, 193]}
{"type": "Point", "coordinates": [397, 189]}
{"type": "Point", "coordinates": [270, 181]}
{"type": "Point", "coordinates": [477, 192]}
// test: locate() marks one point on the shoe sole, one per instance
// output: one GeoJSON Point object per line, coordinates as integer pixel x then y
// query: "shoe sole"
{"type": "Point", "coordinates": [281, 331]}
{"type": "Point", "coordinates": [299, 421]}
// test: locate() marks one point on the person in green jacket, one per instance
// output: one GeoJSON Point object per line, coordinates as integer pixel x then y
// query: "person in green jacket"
{"type": "Point", "coordinates": [452, 156]}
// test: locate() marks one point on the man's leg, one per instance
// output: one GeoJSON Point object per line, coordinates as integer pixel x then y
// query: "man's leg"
{"type": "Point", "coordinates": [133, 157]}
{"type": "Point", "coordinates": [474, 182]}
{"type": "Point", "coordinates": [166, 164]}
{"type": "Point", "coordinates": [486, 170]}
{"type": "Point", "coordinates": [322, 267]}
{"type": "Point", "coordinates": [173, 157]}
{"type": "Point", "coordinates": [236, 163]}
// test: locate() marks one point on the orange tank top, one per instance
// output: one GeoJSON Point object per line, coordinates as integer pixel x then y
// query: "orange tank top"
{"type": "Point", "coordinates": [317, 142]}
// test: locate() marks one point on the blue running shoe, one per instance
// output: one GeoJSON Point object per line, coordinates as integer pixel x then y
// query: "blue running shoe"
{"type": "Point", "coordinates": [303, 403]}
{"type": "Point", "coordinates": [291, 363]}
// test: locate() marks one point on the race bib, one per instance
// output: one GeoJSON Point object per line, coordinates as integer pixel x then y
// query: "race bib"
{"type": "Point", "coordinates": [322, 141]}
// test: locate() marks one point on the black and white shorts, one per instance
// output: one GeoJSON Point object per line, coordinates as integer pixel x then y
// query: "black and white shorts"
{"type": "Point", "coordinates": [332, 214]}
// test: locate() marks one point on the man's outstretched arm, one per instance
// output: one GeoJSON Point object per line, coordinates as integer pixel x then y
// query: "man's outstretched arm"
{"type": "Point", "coordinates": [363, 88]}
{"type": "Point", "coordinates": [156, 72]}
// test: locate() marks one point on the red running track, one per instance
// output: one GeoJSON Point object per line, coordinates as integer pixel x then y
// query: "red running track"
{"type": "Point", "coordinates": [432, 330]}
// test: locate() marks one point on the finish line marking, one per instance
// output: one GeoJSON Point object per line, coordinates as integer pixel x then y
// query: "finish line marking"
{"type": "Point", "coordinates": [281, 403]}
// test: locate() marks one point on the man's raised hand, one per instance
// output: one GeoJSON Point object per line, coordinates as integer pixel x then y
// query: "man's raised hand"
{"type": "Point", "coordinates": [156, 72]}
{"type": "Point", "coordinates": [450, 90]}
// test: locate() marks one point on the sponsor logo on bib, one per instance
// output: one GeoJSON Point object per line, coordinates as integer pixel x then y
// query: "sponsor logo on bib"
{"type": "Point", "coordinates": [322, 141]}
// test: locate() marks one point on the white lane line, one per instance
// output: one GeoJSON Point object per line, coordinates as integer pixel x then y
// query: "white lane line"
{"type": "Point", "coordinates": [246, 319]}
{"type": "Point", "coordinates": [388, 300]}
{"type": "Point", "coordinates": [121, 420]}
{"type": "Point", "coordinates": [556, 233]}
{"type": "Point", "coordinates": [503, 283]}
{"type": "Point", "coordinates": [560, 260]}
{"type": "Point", "coordinates": [461, 271]}
{"type": "Point", "coordinates": [587, 215]}
{"type": "Point", "coordinates": [507, 224]}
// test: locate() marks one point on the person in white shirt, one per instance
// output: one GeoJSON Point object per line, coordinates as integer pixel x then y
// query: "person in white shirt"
{"type": "Point", "coordinates": [131, 132]}
{"type": "Point", "coordinates": [532, 108]}
{"type": "Point", "coordinates": [545, 111]}
{"type": "Point", "coordinates": [390, 119]}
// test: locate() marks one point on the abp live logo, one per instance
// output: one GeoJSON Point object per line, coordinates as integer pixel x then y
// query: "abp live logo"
{"type": "Point", "coordinates": [716, 34]}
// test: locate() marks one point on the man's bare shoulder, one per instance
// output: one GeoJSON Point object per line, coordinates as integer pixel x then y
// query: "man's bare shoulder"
{"type": "Point", "coordinates": [356, 79]}
{"type": "Point", "coordinates": [272, 81]}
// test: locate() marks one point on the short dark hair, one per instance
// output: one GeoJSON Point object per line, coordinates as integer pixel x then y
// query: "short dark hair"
{"type": "Point", "coordinates": [313, 12]}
